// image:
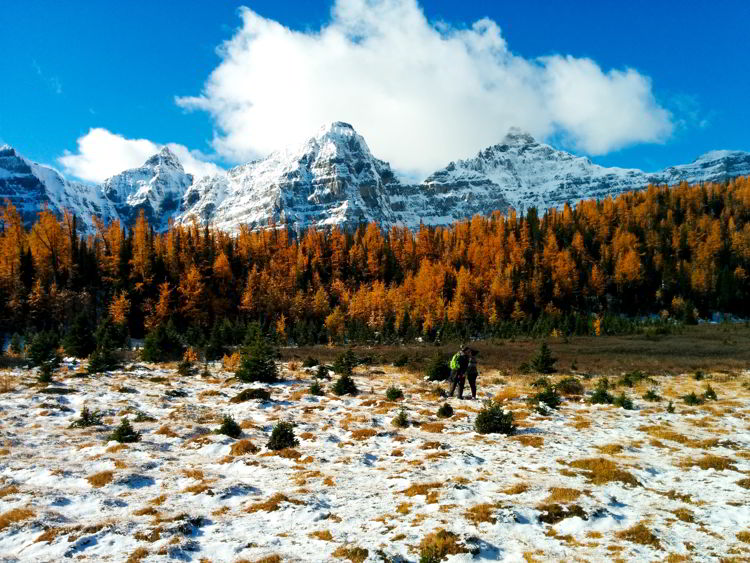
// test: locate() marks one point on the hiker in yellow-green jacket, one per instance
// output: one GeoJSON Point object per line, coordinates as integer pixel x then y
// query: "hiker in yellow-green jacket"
{"type": "Point", "coordinates": [459, 364]}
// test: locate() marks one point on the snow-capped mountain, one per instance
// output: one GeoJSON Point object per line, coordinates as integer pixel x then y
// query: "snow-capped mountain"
{"type": "Point", "coordinates": [333, 179]}
{"type": "Point", "coordinates": [528, 173]}
{"type": "Point", "coordinates": [30, 187]}
{"type": "Point", "coordinates": [157, 188]}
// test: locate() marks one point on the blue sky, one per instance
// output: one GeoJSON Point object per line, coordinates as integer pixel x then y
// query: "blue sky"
{"type": "Point", "coordinates": [68, 67]}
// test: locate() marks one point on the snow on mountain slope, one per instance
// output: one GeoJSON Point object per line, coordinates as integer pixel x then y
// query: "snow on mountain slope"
{"type": "Point", "coordinates": [331, 179]}
{"type": "Point", "coordinates": [30, 187]}
{"type": "Point", "coordinates": [157, 188]}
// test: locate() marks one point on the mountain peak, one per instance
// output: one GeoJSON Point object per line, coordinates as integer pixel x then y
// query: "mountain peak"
{"type": "Point", "coordinates": [517, 136]}
{"type": "Point", "coordinates": [7, 150]}
{"type": "Point", "coordinates": [164, 157]}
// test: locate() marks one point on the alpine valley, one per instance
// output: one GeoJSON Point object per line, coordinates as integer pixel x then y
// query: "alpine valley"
{"type": "Point", "coordinates": [333, 179]}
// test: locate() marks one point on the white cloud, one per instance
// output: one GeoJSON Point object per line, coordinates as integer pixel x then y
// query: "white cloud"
{"type": "Point", "coordinates": [102, 154]}
{"type": "Point", "coordinates": [421, 93]}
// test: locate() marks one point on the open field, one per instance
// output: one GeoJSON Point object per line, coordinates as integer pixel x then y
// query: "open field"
{"type": "Point", "coordinates": [585, 483]}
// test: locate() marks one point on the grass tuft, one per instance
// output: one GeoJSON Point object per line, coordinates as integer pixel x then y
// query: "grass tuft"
{"type": "Point", "coordinates": [640, 534]}
{"type": "Point", "coordinates": [601, 470]}
{"type": "Point", "coordinates": [100, 479]}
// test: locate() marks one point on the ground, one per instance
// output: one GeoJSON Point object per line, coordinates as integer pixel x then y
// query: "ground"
{"type": "Point", "coordinates": [586, 482]}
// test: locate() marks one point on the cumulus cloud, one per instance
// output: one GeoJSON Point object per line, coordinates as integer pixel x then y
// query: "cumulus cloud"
{"type": "Point", "coordinates": [102, 154]}
{"type": "Point", "coordinates": [422, 93]}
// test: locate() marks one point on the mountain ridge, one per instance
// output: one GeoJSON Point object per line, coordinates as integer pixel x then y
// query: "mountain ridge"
{"type": "Point", "coordinates": [333, 178]}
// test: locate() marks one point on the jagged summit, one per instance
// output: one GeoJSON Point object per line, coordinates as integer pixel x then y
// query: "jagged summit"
{"type": "Point", "coordinates": [332, 178]}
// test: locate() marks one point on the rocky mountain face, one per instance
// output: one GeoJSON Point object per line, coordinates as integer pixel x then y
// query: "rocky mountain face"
{"type": "Point", "coordinates": [158, 188]}
{"type": "Point", "coordinates": [31, 187]}
{"type": "Point", "coordinates": [333, 179]}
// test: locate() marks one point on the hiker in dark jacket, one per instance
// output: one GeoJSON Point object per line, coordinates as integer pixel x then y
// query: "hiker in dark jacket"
{"type": "Point", "coordinates": [472, 373]}
{"type": "Point", "coordinates": [458, 374]}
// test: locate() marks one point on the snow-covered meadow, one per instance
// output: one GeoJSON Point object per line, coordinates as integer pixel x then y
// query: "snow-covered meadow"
{"type": "Point", "coordinates": [588, 482]}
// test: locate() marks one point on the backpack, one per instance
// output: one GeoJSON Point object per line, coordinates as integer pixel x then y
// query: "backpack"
{"type": "Point", "coordinates": [454, 360]}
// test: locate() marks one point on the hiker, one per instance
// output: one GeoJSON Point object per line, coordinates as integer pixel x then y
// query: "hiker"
{"type": "Point", "coordinates": [459, 363]}
{"type": "Point", "coordinates": [472, 373]}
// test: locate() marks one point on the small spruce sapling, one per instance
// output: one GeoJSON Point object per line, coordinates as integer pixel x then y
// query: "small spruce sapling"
{"type": "Point", "coordinates": [651, 395]}
{"type": "Point", "coordinates": [229, 427]}
{"type": "Point", "coordinates": [445, 411]}
{"type": "Point", "coordinates": [88, 418]}
{"type": "Point", "coordinates": [401, 420]}
{"type": "Point", "coordinates": [692, 399]}
{"type": "Point", "coordinates": [438, 369]}
{"type": "Point", "coordinates": [543, 362]}
{"type": "Point", "coordinates": [492, 419]}
{"type": "Point", "coordinates": [623, 401]}
{"type": "Point", "coordinates": [709, 394]}
{"type": "Point", "coordinates": [258, 362]}
{"type": "Point", "coordinates": [670, 407]}
{"type": "Point", "coordinates": [282, 436]}
{"type": "Point", "coordinates": [394, 393]}
{"type": "Point", "coordinates": [310, 362]}
{"type": "Point", "coordinates": [316, 389]}
{"type": "Point", "coordinates": [125, 433]}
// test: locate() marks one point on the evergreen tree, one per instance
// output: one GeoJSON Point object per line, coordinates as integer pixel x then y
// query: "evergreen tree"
{"type": "Point", "coordinates": [258, 362]}
{"type": "Point", "coordinates": [163, 344]}
{"type": "Point", "coordinates": [43, 349]}
{"type": "Point", "coordinates": [79, 340]}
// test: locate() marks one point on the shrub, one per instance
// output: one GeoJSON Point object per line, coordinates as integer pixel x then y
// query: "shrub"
{"type": "Point", "coordinates": [545, 399]}
{"type": "Point", "coordinates": [15, 344]}
{"type": "Point", "coordinates": [45, 373]}
{"type": "Point", "coordinates": [88, 418]}
{"type": "Point", "coordinates": [446, 411]}
{"type": "Point", "coordinates": [543, 362]}
{"type": "Point", "coordinates": [316, 389]}
{"type": "Point", "coordinates": [394, 393]}
{"type": "Point", "coordinates": [125, 433]}
{"type": "Point", "coordinates": [401, 420]}
{"type": "Point", "coordinates": [258, 363]}
{"type": "Point", "coordinates": [310, 362]}
{"type": "Point", "coordinates": [569, 386]}
{"type": "Point", "coordinates": [651, 395]}
{"type": "Point", "coordinates": [623, 401]}
{"type": "Point", "coordinates": [631, 378]}
{"type": "Point", "coordinates": [185, 368]}
{"type": "Point", "coordinates": [692, 399]}
{"type": "Point", "coordinates": [709, 394]}
{"type": "Point", "coordinates": [162, 344]}
{"type": "Point", "coordinates": [438, 369]}
{"type": "Point", "coordinates": [322, 372]}
{"type": "Point", "coordinates": [215, 347]}
{"type": "Point", "coordinates": [251, 394]}
{"type": "Point", "coordinates": [401, 361]}
{"type": "Point", "coordinates": [542, 382]}
{"type": "Point", "coordinates": [345, 386]}
{"type": "Point", "coordinates": [282, 436]}
{"type": "Point", "coordinates": [104, 357]}
{"type": "Point", "coordinates": [345, 363]}
{"type": "Point", "coordinates": [43, 349]}
{"type": "Point", "coordinates": [699, 375]}
{"type": "Point", "coordinates": [79, 340]}
{"type": "Point", "coordinates": [601, 397]}
{"type": "Point", "coordinates": [670, 407]}
{"type": "Point", "coordinates": [492, 419]}
{"type": "Point", "coordinates": [229, 427]}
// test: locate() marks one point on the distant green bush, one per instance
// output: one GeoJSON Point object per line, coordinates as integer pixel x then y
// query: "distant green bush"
{"type": "Point", "coordinates": [394, 393]}
{"type": "Point", "coordinates": [282, 436]}
{"type": "Point", "coordinates": [125, 433]}
{"type": "Point", "coordinates": [445, 411]}
{"type": "Point", "coordinates": [258, 362]}
{"type": "Point", "coordinates": [251, 394]}
{"type": "Point", "coordinates": [492, 419]}
{"type": "Point", "coordinates": [623, 401]}
{"type": "Point", "coordinates": [87, 418]}
{"type": "Point", "coordinates": [229, 427]}
{"type": "Point", "coordinates": [316, 388]}
{"type": "Point", "coordinates": [345, 385]}
{"type": "Point", "coordinates": [569, 386]}
{"type": "Point", "coordinates": [401, 420]}
{"type": "Point", "coordinates": [310, 362]}
{"type": "Point", "coordinates": [651, 395]}
{"type": "Point", "coordinates": [438, 368]}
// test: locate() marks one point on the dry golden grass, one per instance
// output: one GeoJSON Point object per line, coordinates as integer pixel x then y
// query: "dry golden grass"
{"type": "Point", "coordinates": [242, 447]}
{"type": "Point", "coordinates": [719, 463]}
{"type": "Point", "coordinates": [198, 488]}
{"type": "Point", "coordinates": [100, 479]}
{"type": "Point", "coordinates": [421, 489]}
{"type": "Point", "coordinates": [601, 470]}
{"type": "Point", "coordinates": [684, 515]}
{"type": "Point", "coordinates": [268, 559]}
{"type": "Point", "coordinates": [193, 473]}
{"type": "Point", "coordinates": [363, 433]}
{"type": "Point", "coordinates": [610, 449]}
{"type": "Point", "coordinates": [640, 534]}
{"type": "Point", "coordinates": [9, 490]}
{"type": "Point", "coordinates": [529, 440]}
{"type": "Point", "coordinates": [431, 445]}
{"type": "Point", "coordinates": [14, 515]}
{"type": "Point", "coordinates": [397, 453]}
{"type": "Point", "coordinates": [166, 431]}
{"type": "Point", "coordinates": [208, 393]}
{"type": "Point", "coordinates": [481, 513]}
{"type": "Point", "coordinates": [404, 508]}
{"type": "Point", "coordinates": [440, 543]}
{"type": "Point", "coordinates": [324, 535]}
{"type": "Point", "coordinates": [158, 501]}
{"type": "Point", "coordinates": [353, 554]}
{"type": "Point", "coordinates": [581, 423]}
{"type": "Point", "coordinates": [272, 504]}
{"type": "Point", "coordinates": [6, 382]}
{"type": "Point", "coordinates": [744, 483]}
{"type": "Point", "coordinates": [139, 554]}
{"type": "Point", "coordinates": [116, 448]}
{"type": "Point", "coordinates": [562, 495]}
{"type": "Point", "coordinates": [146, 511]}
{"type": "Point", "coordinates": [743, 536]}
{"type": "Point", "coordinates": [516, 489]}
{"type": "Point", "coordinates": [435, 427]}
{"type": "Point", "coordinates": [231, 363]}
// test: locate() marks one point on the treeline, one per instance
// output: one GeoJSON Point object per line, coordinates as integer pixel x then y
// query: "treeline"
{"type": "Point", "coordinates": [678, 252]}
